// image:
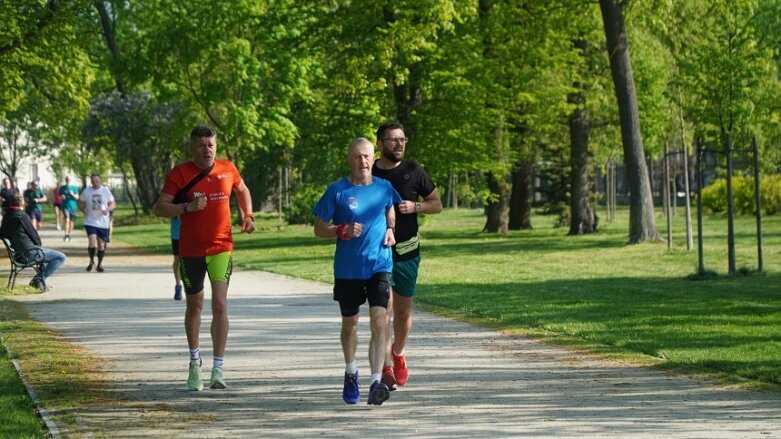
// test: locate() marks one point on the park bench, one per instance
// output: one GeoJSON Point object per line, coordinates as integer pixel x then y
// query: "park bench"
{"type": "Point", "coordinates": [30, 259]}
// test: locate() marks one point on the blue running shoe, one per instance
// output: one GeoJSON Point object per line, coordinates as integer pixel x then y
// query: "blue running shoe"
{"type": "Point", "coordinates": [351, 392]}
{"type": "Point", "coordinates": [378, 393]}
{"type": "Point", "coordinates": [178, 292]}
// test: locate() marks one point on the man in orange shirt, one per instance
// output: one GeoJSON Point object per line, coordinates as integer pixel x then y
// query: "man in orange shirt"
{"type": "Point", "coordinates": [206, 241]}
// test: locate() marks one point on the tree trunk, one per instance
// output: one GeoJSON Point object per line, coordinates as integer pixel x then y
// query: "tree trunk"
{"type": "Point", "coordinates": [111, 42]}
{"type": "Point", "coordinates": [521, 197]}
{"type": "Point", "coordinates": [496, 209]}
{"type": "Point", "coordinates": [407, 95]}
{"type": "Point", "coordinates": [583, 218]}
{"type": "Point", "coordinates": [642, 226]}
{"type": "Point", "coordinates": [127, 191]}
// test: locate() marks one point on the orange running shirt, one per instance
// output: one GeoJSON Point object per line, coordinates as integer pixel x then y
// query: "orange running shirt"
{"type": "Point", "coordinates": [206, 232]}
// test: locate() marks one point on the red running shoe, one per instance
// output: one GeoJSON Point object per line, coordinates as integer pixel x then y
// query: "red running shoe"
{"type": "Point", "coordinates": [400, 371]}
{"type": "Point", "coordinates": [388, 378]}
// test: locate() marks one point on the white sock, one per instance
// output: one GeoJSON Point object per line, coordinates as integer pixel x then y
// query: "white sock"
{"type": "Point", "coordinates": [375, 377]}
{"type": "Point", "coordinates": [217, 363]}
{"type": "Point", "coordinates": [195, 354]}
{"type": "Point", "coordinates": [398, 354]}
{"type": "Point", "coordinates": [350, 368]}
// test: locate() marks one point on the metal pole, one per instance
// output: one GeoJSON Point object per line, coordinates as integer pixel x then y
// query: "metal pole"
{"type": "Point", "coordinates": [700, 258]}
{"type": "Point", "coordinates": [666, 198]}
{"type": "Point", "coordinates": [687, 197]}
{"type": "Point", "coordinates": [758, 203]}
{"type": "Point", "coordinates": [730, 206]}
{"type": "Point", "coordinates": [607, 192]}
{"type": "Point", "coordinates": [614, 188]}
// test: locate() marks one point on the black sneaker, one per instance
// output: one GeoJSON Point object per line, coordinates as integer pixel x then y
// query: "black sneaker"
{"type": "Point", "coordinates": [41, 285]}
{"type": "Point", "coordinates": [89, 267]}
{"type": "Point", "coordinates": [100, 268]}
{"type": "Point", "coordinates": [378, 393]}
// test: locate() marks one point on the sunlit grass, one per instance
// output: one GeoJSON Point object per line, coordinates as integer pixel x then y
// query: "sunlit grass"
{"type": "Point", "coordinates": [19, 419]}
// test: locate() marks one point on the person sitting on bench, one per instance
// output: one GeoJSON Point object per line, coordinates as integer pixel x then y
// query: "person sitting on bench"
{"type": "Point", "coordinates": [19, 230]}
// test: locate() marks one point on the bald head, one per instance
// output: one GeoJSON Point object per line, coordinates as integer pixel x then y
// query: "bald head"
{"type": "Point", "coordinates": [360, 156]}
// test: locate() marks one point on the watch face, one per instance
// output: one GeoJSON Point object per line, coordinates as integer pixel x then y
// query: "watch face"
{"type": "Point", "coordinates": [417, 207]}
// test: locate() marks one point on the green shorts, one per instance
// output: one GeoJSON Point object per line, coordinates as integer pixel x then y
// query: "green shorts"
{"type": "Point", "coordinates": [194, 268]}
{"type": "Point", "coordinates": [405, 276]}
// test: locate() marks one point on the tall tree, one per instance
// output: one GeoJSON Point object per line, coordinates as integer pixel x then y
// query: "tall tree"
{"type": "Point", "coordinates": [140, 132]}
{"type": "Point", "coordinates": [642, 225]}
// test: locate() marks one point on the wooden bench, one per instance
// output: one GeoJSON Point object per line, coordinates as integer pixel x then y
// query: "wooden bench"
{"type": "Point", "coordinates": [30, 259]}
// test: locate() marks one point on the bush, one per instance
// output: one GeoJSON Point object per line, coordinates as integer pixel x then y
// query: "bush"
{"type": "Point", "coordinates": [771, 194]}
{"type": "Point", "coordinates": [714, 197]}
{"type": "Point", "coordinates": [301, 204]}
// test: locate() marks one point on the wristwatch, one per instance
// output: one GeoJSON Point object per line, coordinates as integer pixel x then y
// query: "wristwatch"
{"type": "Point", "coordinates": [418, 207]}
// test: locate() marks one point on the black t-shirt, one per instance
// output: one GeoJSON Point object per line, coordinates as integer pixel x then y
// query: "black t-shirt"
{"type": "Point", "coordinates": [414, 184]}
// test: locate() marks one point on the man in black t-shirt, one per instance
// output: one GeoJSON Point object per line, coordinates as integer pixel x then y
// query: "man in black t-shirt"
{"type": "Point", "coordinates": [419, 195]}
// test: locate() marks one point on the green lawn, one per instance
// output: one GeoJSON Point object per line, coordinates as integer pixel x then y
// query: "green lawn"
{"type": "Point", "coordinates": [635, 302]}
{"type": "Point", "coordinates": [19, 419]}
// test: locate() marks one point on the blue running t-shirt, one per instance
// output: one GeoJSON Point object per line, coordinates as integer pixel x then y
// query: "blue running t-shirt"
{"type": "Point", "coordinates": [343, 202]}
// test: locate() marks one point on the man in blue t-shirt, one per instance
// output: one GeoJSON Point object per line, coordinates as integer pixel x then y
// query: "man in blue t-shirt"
{"type": "Point", "coordinates": [358, 211]}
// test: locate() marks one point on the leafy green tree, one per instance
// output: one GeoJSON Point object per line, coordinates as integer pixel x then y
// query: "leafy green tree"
{"type": "Point", "coordinates": [729, 64]}
{"type": "Point", "coordinates": [140, 132]}
{"type": "Point", "coordinates": [42, 59]}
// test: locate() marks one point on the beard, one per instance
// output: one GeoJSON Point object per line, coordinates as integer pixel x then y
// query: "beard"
{"type": "Point", "coordinates": [388, 154]}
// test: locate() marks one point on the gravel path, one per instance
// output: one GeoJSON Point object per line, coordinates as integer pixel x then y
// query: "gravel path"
{"type": "Point", "coordinates": [284, 370]}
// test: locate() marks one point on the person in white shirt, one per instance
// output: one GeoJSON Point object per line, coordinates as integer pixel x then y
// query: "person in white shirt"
{"type": "Point", "coordinates": [96, 202]}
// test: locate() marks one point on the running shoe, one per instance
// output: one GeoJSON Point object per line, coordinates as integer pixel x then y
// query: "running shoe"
{"type": "Point", "coordinates": [388, 378]}
{"type": "Point", "coordinates": [400, 371]}
{"type": "Point", "coordinates": [351, 392]}
{"type": "Point", "coordinates": [100, 268]}
{"type": "Point", "coordinates": [194, 381]}
{"type": "Point", "coordinates": [67, 238]}
{"type": "Point", "coordinates": [378, 393]}
{"type": "Point", "coordinates": [178, 292]}
{"type": "Point", "coordinates": [217, 381]}
{"type": "Point", "coordinates": [89, 267]}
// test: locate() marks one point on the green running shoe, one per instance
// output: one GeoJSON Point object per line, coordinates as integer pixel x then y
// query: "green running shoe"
{"type": "Point", "coordinates": [194, 381]}
{"type": "Point", "coordinates": [217, 381]}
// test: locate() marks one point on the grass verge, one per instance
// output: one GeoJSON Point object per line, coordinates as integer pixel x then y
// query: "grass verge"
{"type": "Point", "coordinates": [63, 375]}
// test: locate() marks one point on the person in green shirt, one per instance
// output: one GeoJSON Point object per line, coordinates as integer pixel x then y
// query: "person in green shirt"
{"type": "Point", "coordinates": [70, 205]}
{"type": "Point", "coordinates": [33, 197]}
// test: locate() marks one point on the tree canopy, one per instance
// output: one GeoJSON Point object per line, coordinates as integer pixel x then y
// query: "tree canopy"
{"type": "Point", "coordinates": [490, 91]}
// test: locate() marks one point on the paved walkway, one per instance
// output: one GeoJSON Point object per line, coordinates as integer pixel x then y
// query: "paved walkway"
{"type": "Point", "coordinates": [284, 369]}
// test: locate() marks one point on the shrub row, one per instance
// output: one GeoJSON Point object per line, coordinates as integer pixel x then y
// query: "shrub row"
{"type": "Point", "coordinates": [714, 197]}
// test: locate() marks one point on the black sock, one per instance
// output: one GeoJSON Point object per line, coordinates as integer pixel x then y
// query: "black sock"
{"type": "Point", "coordinates": [101, 253]}
{"type": "Point", "coordinates": [91, 251]}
